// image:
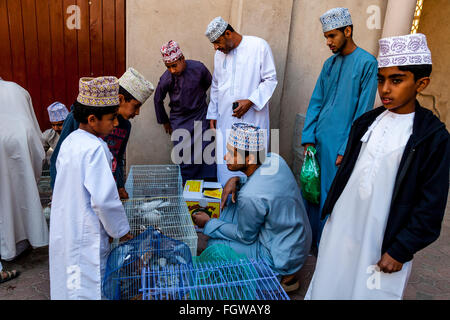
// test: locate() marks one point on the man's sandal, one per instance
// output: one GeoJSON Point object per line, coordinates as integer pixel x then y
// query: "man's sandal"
{"type": "Point", "coordinates": [9, 275]}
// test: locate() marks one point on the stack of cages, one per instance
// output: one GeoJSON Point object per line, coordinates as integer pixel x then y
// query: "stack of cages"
{"type": "Point", "coordinates": [156, 203]}
{"type": "Point", "coordinates": [146, 181]}
{"type": "Point", "coordinates": [126, 261]}
{"type": "Point", "coordinates": [242, 279]}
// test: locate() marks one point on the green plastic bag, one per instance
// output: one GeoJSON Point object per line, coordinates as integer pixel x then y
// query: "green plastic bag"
{"type": "Point", "coordinates": [310, 176]}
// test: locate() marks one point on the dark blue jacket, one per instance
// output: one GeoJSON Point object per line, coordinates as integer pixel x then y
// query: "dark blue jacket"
{"type": "Point", "coordinates": [421, 186]}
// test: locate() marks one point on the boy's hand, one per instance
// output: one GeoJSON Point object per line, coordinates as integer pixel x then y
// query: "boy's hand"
{"type": "Point", "coordinates": [168, 128]}
{"type": "Point", "coordinates": [200, 218]}
{"type": "Point", "coordinates": [126, 237]}
{"type": "Point", "coordinates": [244, 106]}
{"type": "Point", "coordinates": [230, 187]}
{"type": "Point", "coordinates": [212, 124]}
{"type": "Point", "coordinates": [339, 160]}
{"type": "Point", "coordinates": [387, 264]}
{"type": "Point", "coordinates": [123, 194]}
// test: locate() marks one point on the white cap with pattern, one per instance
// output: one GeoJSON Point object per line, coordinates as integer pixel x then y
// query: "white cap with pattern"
{"type": "Point", "coordinates": [216, 28]}
{"type": "Point", "coordinates": [335, 18]}
{"type": "Point", "coordinates": [57, 112]}
{"type": "Point", "coordinates": [136, 85]}
{"type": "Point", "coordinates": [411, 49]}
{"type": "Point", "coordinates": [245, 136]}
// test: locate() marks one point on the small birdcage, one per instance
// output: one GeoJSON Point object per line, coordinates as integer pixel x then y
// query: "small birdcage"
{"type": "Point", "coordinates": [150, 249]}
{"type": "Point", "coordinates": [154, 180]}
{"type": "Point", "coordinates": [45, 193]}
{"type": "Point", "coordinates": [170, 215]}
{"type": "Point", "coordinates": [242, 279]}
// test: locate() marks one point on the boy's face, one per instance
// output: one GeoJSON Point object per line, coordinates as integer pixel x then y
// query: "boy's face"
{"type": "Point", "coordinates": [398, 89]}
{"type": "Point", "coordinates": [104, 126]}
{"type": "Point", "coordinates": [129, 109]}
{"type": "Point", "coordinates": [57, 126]}
{"type": "Point", "coordinates": [177, 67]}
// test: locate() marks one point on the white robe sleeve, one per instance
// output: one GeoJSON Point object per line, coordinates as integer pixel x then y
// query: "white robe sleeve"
{"type": "Point", "coordinates": [105, 201]}
{"type": "Point", "coordinates": [213, 98]}
{"type": "Point", "coordinates": [260, 97]}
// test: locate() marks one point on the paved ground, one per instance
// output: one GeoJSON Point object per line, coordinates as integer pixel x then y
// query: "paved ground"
{"type": "Point", "coordinates": [430, 277]}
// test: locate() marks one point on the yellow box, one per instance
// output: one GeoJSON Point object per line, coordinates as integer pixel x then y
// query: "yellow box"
{"type": "Point", "coordinates": [204, 196]}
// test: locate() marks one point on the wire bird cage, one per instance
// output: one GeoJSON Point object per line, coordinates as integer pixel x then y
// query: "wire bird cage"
{"type": "Point", "coordinates": [150, 249]}
{"type": "Point", "coordinates": [154, 180]}
{"type": "Point", "coordinates": [170, 215]}
{"type": "Point", "coordinates": [242, 279]}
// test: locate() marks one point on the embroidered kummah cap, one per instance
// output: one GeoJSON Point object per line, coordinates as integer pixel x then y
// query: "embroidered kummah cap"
{"type": "Point", "coordinates": [171, 52]}
{"type": "Point", "coordinates": [99, 92]}
{"type": "Point", "coordinates": [245, 136]}
{"type": "Point", "coordinates": [335, 18]}
{"type": "Point", "coordinates": [57, 112]}
{"type": "Point", "coordinates": [136, 85]}
{"type": "Point", "coordinates": [216, 28]}
{"type": "Point", "coordinates": [405, 50]}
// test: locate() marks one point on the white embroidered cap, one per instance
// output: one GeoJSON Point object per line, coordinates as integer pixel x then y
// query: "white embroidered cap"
{"type": "Point", "coordinates": [216, 28]}
{"type": "Point", "coordinates": [136, 85]}
{"type": "Point", "coordinates": [335, 18]}
{"type": "Point", "coordinates": [411, 49]}
{"type": "Point", "coordinates": [245, 136]}
{"type": "Point", "coordinates": [57, 112]}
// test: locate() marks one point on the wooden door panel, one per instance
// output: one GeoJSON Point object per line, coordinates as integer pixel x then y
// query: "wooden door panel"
{"type": "Point", "coordinates": [41, 53]}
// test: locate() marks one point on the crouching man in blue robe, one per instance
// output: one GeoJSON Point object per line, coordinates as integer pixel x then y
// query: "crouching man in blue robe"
{"type": "Point", "coordinates": [268, 220]}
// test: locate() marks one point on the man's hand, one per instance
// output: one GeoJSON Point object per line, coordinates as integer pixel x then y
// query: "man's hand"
{"type": "Point", "coordinates": [123, 194]}
{"type": "Point", "coordinates": [200, 218]}
{"type": "Point", "coordinates": [306, 147]}
{"type": "Point", "coordinates": [230, 187]}
{"type": "Point", "coordinates": [339, 160]}
{"type": "Point", "coordinates": [126, 237]}
{"type": "Point", "coordinates": [243, 107]}
{"type": "Point", "coordinates": [168, 128]}
{"type": "Point", "coordinates": [387, 264]}
{"type": "Point", "coordinates": [212, 124]}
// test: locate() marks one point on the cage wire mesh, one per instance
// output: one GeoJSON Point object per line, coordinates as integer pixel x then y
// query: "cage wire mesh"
{"type": "Point", "coordinates": [154, 180]}
{"type": "Point", "coordinates": [150, 249]}
{"type": "Point", "coordinates": [242, 279]}
{"type": "Point", "coordinates": [170, 215]}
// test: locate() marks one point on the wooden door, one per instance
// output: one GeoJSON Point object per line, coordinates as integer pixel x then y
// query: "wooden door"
{"type": "Point", "coordinates": [47, 45]}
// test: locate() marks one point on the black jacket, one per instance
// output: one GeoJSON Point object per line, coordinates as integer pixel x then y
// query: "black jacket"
{"type": "Point", "coordinates": [421, 186]}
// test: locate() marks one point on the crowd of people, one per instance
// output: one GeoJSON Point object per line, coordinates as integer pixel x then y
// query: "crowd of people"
{"type": "Point", "coordinates": [384, 171]}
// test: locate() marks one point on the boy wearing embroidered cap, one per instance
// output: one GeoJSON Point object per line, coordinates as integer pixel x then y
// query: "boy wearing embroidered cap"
{"type": "Point", "coordinates": [134, 90]}
{"type": "Point", "coordinates": [268, 220]}
{"type": "Point", "coordinates": [186, 82]}
{"type": "Point", "coordinates": [86, 210]}
{"type": "Point", "coordinates": [389, 196]}
{"type": "Point", "coordinates": [57, 113]}
{"type": "Point", "coordinates": [346, 88]}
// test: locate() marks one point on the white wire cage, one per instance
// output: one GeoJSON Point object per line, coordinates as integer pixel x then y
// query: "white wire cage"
{"type": "Point", "coordinates": [170, 215]}
{"type": "Point", "coordinates": [243, 279]}
{"type": "Point", "coordinates": [154, 180]}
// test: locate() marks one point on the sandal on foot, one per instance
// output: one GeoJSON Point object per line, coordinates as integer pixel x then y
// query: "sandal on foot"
{"type": "Point", "coordinates": [9, 275]}
{"type": "Point", "coordinates": [290, 285]}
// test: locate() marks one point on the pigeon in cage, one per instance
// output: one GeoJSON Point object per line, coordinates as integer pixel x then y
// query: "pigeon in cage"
{"type": "Point", "coordinates": [149, 213]}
